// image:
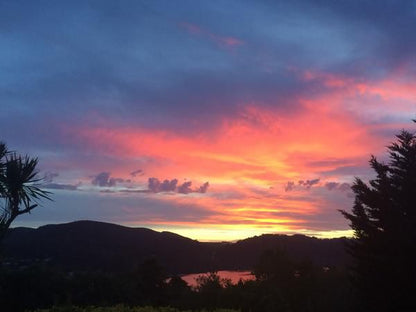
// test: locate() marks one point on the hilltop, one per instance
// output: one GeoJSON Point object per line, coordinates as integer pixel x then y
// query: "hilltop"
{"type": "Point", "coordinates": [98, 246]}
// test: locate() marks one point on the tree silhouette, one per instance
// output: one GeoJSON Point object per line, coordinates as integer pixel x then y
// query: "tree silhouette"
{"type": "Point", "coordinates": [384, 222]}
{"type": "Point", "coordinates": [19, 189]}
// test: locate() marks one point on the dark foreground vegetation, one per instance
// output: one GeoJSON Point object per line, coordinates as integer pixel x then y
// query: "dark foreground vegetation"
{"type": "Point", "coordinates": [88, 263]}
{"type": "Point", "coordinates": [281, 285]}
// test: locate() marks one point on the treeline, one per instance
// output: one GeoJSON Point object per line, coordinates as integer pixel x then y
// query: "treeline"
{"type": "Point", "coordinates": [281, 285]}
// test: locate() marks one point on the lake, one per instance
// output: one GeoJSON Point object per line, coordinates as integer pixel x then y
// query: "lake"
{"type": "Point", "coordinates": [234, 276]}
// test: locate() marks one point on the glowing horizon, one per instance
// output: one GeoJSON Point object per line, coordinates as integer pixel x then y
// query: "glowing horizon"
{"type": "Point", "coordinates": [188, 119]}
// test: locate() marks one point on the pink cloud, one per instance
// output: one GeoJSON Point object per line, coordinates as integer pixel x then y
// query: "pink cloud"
{"type": "Point", "coordinates": [259, 149]}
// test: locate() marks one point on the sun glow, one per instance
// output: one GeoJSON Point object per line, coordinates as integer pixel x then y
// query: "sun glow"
{"type": "Point", "coordinates": [267, 172]}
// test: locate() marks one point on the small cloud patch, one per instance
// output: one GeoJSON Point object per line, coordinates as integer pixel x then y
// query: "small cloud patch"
{"type": "Point", "coordinates": [157, 186]}
{"type": "Point", "coordinates": [104, 179]}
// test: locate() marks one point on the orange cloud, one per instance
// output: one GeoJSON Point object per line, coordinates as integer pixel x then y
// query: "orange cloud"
{"type": "Point", "coordinates": [249, 154]}
{"type": "Point", "coordinates": [259, 147]}
{"type": "Point", "coordinates": [252, 156]}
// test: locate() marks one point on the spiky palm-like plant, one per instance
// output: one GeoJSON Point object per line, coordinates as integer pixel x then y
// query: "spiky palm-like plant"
{"type": "Point", "coordinates": [19, 187]}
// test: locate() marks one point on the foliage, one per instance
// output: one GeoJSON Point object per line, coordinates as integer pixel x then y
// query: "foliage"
{"type": "Point", "coordinates": [384, 222]}
{"type": "Point", "coordinates": [210, 290]}
{"type": "Point", "coordinates": [286, 285]}
{"type": "Point", "coordinates": [275, 265]}
{"type": "Point", "coordinates": [19, 188]}
{"type": "Point", "coordinates": [212, 281]}
{"type": "Point", "coordinates": [309, 288]}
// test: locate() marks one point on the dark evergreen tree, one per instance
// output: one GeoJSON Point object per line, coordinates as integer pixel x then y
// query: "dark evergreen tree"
{"type": "Point", "coordinates": [384, 222]}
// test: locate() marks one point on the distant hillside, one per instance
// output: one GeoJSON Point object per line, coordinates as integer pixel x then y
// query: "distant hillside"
{"type": "Point", "coordinates": [89, 245]}
{"type": "Point", "coordinates": [245, 253]}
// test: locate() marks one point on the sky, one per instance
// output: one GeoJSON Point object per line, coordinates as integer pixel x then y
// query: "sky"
{"type": "Point", "coordinates": [216, 120]}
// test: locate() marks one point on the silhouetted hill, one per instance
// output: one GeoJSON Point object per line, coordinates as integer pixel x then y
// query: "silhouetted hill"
{"type": "Point", "coordinates": [90, 245]}
{"type": "Point", "coordinates": [245, 253]}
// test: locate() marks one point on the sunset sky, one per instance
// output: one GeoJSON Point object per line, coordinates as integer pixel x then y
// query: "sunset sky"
{"type": "Point", "coordinates": [216, 120]}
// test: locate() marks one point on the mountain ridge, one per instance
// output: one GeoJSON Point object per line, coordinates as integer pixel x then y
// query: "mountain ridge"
{"type": "Point", "coordinates": [87, 245]}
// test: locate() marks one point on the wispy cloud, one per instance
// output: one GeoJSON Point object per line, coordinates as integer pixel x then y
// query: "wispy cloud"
{"type": "Point", "coordinates": [222, 41]}
{"type": "Point", "coordinates": [138, 172]}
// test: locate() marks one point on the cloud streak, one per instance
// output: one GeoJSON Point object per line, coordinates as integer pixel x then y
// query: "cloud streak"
{"type": "Point", "coordinates": [222, 41]}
